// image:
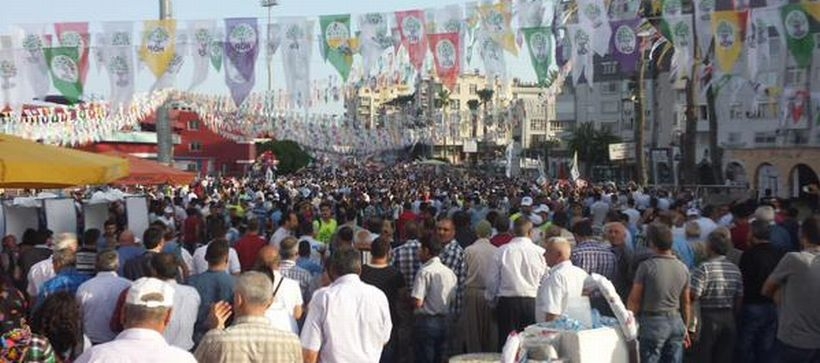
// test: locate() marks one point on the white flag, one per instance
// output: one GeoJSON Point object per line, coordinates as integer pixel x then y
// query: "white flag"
{"type": "Point", "coordinates": [373, 39]}
{"type": "Point", "coordinates": [201, 36]}
{"type": "Point", "coordinates": [10, 80]}
{"type": "Point", "coordinates": [297, 49]}
{"type": "Point", "coordinates": [574, 174]}
{"type": "Point", "coordinates": [117, 51]}
{"type": "Point", "coordinates": [32, 39]}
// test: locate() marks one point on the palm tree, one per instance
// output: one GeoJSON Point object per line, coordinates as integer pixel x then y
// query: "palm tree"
{"type": "Point", "coordinates": [443, 102]}
{"type": "Point", "coordinates": [591, 144]}
{"type": "Point", "coordinates": [485, 95]}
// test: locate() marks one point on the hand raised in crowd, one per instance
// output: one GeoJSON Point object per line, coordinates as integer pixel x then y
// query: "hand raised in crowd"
{"type": "Point", "coordinates": [220, 313]}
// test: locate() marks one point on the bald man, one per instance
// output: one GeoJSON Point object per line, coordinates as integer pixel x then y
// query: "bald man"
{"type": "Point", "coordinates": [564, 281]}
{"type": "Point", "coordinates": [617, 235]}
{"type": "Point", "coordinates": [128, 248]}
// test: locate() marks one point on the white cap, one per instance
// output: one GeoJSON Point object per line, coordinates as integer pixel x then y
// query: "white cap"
{"type": "Point", "coordinates": [765, 213]}
{"type": "Point", "coordinates": [542, 209]}
{"type": "Point", "coordinates": [526, 202]}
{"type": "Point", "coordinates": [151, 293]}
{"type": "Point", "coordinates": [693, 212]}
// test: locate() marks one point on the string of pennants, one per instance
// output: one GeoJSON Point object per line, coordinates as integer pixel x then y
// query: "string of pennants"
{"type": "Point", "coordinates": [384, 49]}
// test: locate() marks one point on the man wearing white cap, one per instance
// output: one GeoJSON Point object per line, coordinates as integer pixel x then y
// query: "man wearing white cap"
{"type": "Point", "coordinates": [524, 210]}
{"type": "Point", "coordinates": [147, 313]}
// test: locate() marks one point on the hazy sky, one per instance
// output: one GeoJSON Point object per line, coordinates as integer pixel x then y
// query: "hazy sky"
{"type": "Point", "coordinates": [96, 11]}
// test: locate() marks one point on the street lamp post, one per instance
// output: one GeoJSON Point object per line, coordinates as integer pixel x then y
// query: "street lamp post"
{"type": "Point", "coordinates": [269, 4]}
{"type": "Point", "coordinates": [165, 145]}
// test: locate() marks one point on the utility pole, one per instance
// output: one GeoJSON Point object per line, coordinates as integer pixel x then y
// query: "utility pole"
{"type": "Point", "coordinates": [164, 129]}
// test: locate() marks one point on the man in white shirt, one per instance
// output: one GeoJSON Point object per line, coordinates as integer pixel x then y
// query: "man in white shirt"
{"type": "Point", "coordinates": [98, 298]}
{"type": "Point", "coordinates": [201, 265]}
{"type": "Point", "coordinates": [148, 306]}
{"type": "Point", "coordinates": [599, 210]}
{"type": "Point", "coordinates": [515, 276]}
{"type": "Point", "coordinates": [348, 321]}
{"type": "Point", "coordinates": [564, 281]}
{"type": "Point", "coordinates": [289, 224]}
{"type": "Point", "coordinates": [434, 291]}
{"type": "Point", "coordinates": [43, 271]}
{"type": "Point", "coordinates": [180, 330]}
{"type": "Point", "coordinates": [478, 326]}
{"type": "Point", "coordinates": [287, 307]}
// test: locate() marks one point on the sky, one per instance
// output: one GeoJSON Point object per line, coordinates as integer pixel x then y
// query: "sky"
{"type": "Point", "coordinates": [97, 11]}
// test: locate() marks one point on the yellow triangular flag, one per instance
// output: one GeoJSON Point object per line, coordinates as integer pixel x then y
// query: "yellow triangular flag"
{"type": "Point", "coordinates": [158, 45]}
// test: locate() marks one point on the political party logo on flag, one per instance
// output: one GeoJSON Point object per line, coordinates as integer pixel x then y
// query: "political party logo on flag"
{"type": "Point", "coordinates": [593, 13]}
{"type": "Point", "coordinates": [8, 71]}
{"type": "Point", "coordinates": [446, 52]}
{"type": "Point", "coordinates": [242, 38]}
{"type": "Point", "coordinates": [625, 39]}
{"type": "Point", "coordinates": [203, 39]}
{"type": "Point", "coordinates": [671, 7]}
{"type": "Point", "coordinates": [797, 24]}
{"type": "Point", "coordinates": [217, 51]}
{"type": "Point", "coordinates": [581, 43]}
{"type": "Point", "coordinates": [120, 39]}
{"type": "Point", "coordinates": [158, 45]}
{"type": "Point", "coordinates": [681, 34]}
{"type": "Point", "coordinates": [65, 71]}
{"type": "Point", "coordinates": [118, 66]}
{"type": "Point", "coordinates": [726, 34]}
{"type": "Point", "coordinates": [539, 41]}
{"type": "Point", "coordinates": [412, 29]}
{"type": "Point", "coordinates": [72, 39]}
{"type": "Point", "coordinates": [33, 44]}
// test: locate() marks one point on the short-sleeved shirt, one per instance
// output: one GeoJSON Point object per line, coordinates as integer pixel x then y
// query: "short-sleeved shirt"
{"type": "Point", "coordinates": [435, 286]}
{"type": "Point", "coordinates": [717, 284]}
{"type": "Point", "coordinates": [756, 264]}
{"type": "Point", "coordinates": [388, 279]}
{"type": "Point", "coordinates": [663, 278]}
{"type": "Point", "coordinates": [799, 322]}
{"type": "Point", "coordinates": [563, 282]}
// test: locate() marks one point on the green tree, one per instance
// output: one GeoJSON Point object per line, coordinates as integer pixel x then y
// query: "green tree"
{"type": "Point", "coordinates": [291, 156]}
{"type": "Point", "coordinates": [591, 144]}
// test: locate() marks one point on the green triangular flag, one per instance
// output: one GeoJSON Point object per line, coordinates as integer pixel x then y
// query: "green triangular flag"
{"type": "Point", "coordinates": [798, 33]}
{"type": "Point", "coordinates": [217, 53]}
{"type": "Point", "coordinates": [63, 63]}
{"type": "Point", "coordinates": [539, 41]}
{"type": "Point", "coordinates": [336, 42]}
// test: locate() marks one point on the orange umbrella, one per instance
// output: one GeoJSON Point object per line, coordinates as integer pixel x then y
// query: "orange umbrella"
{"type": "Point", "coordinates": [147, 172]}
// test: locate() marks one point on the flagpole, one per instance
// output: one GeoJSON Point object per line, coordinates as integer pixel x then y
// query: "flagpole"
{"type": "Point", "coordinates": [164, 130]}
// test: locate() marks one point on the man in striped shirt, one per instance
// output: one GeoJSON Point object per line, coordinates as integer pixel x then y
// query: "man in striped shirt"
{"type": "Point", "coordinates": [718, 285]}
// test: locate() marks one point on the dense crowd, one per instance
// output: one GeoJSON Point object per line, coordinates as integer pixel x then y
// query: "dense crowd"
{"type": "Point", "coordinates": [410, 263]}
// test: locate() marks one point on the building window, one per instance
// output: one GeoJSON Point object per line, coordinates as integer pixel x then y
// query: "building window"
{"type": "Point", "coordinates": [538, 125]}
{"type": "Point", "coordinates": [609, 126]}
{"type": "Point", "coordinates": [458, 89]}
{"type": "Point", "coordinates": [765, 138]}
{"type": "Point", "coordinates": [193, 125]}
{"type": "Point", "coordinates": [609, 107]}
{"type": "Point", "coordinates": [609, 88]}
{"type": "Point", "coordinates": [795, 76]}
{"type": "Point", "coordinates": [609, 67]}
{"type": "Point", "coordinates": [703, 112]}
{"type": "Point", "coordinates": [473, 89]}
{"type": "Point", "coordinates": [195, 146]}
{"type": "Point", "coordinates": [193, 167]}
{"type": "Point", "coordinates": [455, 105]}
{"type": "Point", "coordinates": [734, 137]}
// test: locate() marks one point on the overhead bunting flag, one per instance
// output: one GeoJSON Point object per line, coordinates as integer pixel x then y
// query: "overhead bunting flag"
{"type": "Point", "coordinates": [624, 9]}
{"type": "Point", "coordinates": [530, 13]}
{"type": "Point", "coordinates": [75, 35]}
{"type": "Point", "coordinates": [337, 44]}
{"type": "Point", "coordinates": [592, 14]}
{"type": "Point", "coordinates": [625, 44]}
{"type": "Point", "coordinates": [413, 37]}
{"type": "Point", "coordinates": [218, 49]}
{"type": "Point", "coordinates": [117, 51]}
{"type": "Point", "coordinates": [728, 28]}
{"type": "Point", "coordinates": [758, 43]}
{"type": "Point", "coordinates": [297, 45]}
{"type": "Point", "coordinates": [678, 30]}
{"type": "Point", "coordinates": [496, 19]}
{"type": "Point", "coordinates": [450, 19]}
{"type": "Point", "coordinates": [539, 42]}
{"type": "Point", "coordinates": [671, 7]}
{"type": "Point", "coordinates": [581, 54]}
{"type": "Point", "coordinates": [495, 65]}
{"type": "Point", "coordinates": [812, 8]}
{"type": "Point", "coordinates": [447, 57]}
{"type": "Point", "coordinates": [241, 50]}
{"type": "Point", "coordinates": [10, 79]}
{"type": "Point", "coordinates": [202, 36]}
{"type": "Point", "coordinates": [373, 39]}
{"type": "Point", "coordinates": [64, 65]}
{"type": "Point", "coordinates": [798, 36]}
{"type": "Point", "coordinates": [32, 39]}
{"type": "Point", "coordinates": [158, 45]}
{"type": "Point", "coordinates": [169, 78]}
{"type": "Point", "coordinates": [703, 24]}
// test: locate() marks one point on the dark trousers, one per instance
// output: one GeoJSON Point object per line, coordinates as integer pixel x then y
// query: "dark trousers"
{"type": "Point", "coordinates": [514, 314]}
{"type": "Point", "coordinates": [718, 334]}
{"type": "Point", "coordinates": [430, 336]}
{"type": "Point", "coordinates": [791, 354]}
{"type": "Point", "coordinates": [756, 334]}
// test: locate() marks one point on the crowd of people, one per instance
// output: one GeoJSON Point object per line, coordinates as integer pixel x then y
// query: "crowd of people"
{"type": "Point", "coordinates": [410, 263]}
